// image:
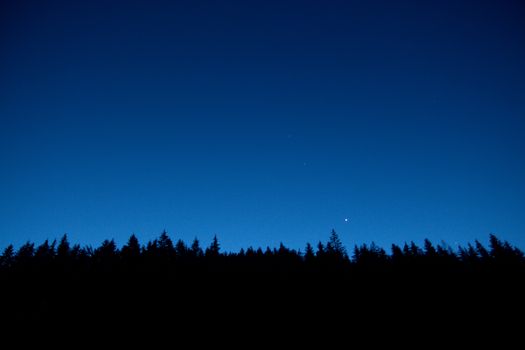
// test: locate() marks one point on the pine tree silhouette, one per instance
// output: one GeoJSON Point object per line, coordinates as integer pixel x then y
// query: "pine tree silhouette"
{"type": "Point", "coordinates": [8, 257]}
{"type": "Point", "coordinates": [131, 254]}
{"type": "Point", "coordinates": [25, 254]}
{"type": "Point", "coordinates": [397, 257]}
{"type": "Point", "coordinates": [196, 250]}
{"type": "Point", "coordinates": [131, 251]}
{"type": "Point", "coordinates": [63, 249]}
{"type": "Point", "coordinates": [320, 250]}
{"type": "Point", "coordinates": [162, 278]}
{"type": "Point", "coordinates": [335, 247]}
{"type": "Point", "coordinates": [482, 252]}
{"type": "Point", "coordinates": [430, 251]}
{"type": "Point", "coordinates": [309, 254]}
{"type": "Point", "coordinates": [45, 252]}
{"type": "Point", "coordinates": [181, 249]}
{"type": "Point", "coordinates": [165, 244]}
{"type": "Point", "coordinates": [214, 249]}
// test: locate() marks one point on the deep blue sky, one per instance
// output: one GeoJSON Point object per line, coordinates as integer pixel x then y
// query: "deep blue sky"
{"type": "Point", "coordinates": [262, 121]}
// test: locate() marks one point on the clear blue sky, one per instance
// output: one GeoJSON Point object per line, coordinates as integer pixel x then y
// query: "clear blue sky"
{"type": "Point", "coordinates": [262, 121]}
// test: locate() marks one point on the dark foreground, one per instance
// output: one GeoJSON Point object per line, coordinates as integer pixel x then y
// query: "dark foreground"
{"type": "Point", "coordinates": [430, 290]}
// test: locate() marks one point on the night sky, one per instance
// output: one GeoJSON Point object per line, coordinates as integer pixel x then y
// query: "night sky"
{"type": "Point", "coordinates": [262, 121]}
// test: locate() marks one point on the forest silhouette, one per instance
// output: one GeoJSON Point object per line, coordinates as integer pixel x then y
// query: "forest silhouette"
{"type": "Point", "coordinates": [189, 284]}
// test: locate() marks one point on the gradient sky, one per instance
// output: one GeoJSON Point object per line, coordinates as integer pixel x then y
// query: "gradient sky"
{"type": "Point", "coordinates": [262, 121]}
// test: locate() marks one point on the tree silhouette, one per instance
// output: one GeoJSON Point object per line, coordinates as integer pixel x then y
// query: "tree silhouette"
{"type": "Point", "coordinates": [165, 244]}
{"type": "Point", "coordinates": [174, 274]}
{"type": "Point", "coordinates": [181, 248]}
{"type": "Point", "coordinates": [8, 257]}
{"type": "Point", "coordinates": [268, 253]}
{"type": "Point", "coordinates": [502, 252]}
{"type": "Point", "coordinates": [430, 251]}
{"type": "Point", "coordinates": [131, 251]}
{"type": "Point", "coordinates": [63, 249]}
{"type": "Point", "coordinates": [196, 250]}
{"type": "Point", "coordinates": [415, 251]}
{"type": "Point", "coordinates": [468, 255]}
{"type": "Point", "coordinates": [214, 249]}
{"type": "Point", "coordinates": [335, 247]}
{"type": "Point", "coordinates": [397, 256]}
{"type": "Point", "coordinates": [45, 252]}
{"type": "Point", "coordinates": [320, 250]}
{"type": "Point", "coordinates": [106, 256]}
{"type": "Point", "coordinates": [309, 254]}
{"type": "Point", "coordinates": [482, 251]}
{"type": "Point", "coordinates": [369, 256]}
{"type": "Point", "coordinates": [25, 254]}
{"type": "Point", "coordinates": [108, 249]}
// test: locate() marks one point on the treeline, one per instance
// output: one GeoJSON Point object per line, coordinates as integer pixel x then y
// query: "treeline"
{"type": "Point", "coordinates": [162, 254]}
{"type": "Point", "coordinates": [191, 286]}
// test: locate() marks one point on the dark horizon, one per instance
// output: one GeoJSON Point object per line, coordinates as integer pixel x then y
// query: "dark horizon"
{"type": "Point", "coordinates": [454, 250]}
{"type": "Point", "coordinates": [68, 256]}
{"type": "Point", "coordinates": [192, 288]}
{"type": "Point", "coordinates": [465, 254]}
